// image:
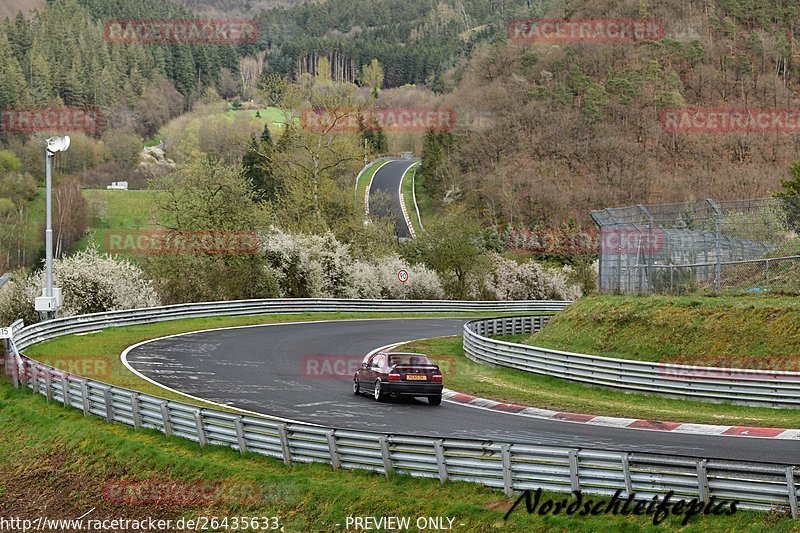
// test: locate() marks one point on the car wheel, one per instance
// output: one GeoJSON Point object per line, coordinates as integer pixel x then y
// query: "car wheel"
{"type": "Point", "coordinates": [378, 391]}
{"type": "Point", "coordinates": [435, 400]}
{"type": "Point", "coordinates": [356, 386]}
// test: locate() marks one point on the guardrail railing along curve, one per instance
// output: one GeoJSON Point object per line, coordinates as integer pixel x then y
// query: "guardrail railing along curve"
{"type": "Point", "coordinates": [766, 388]}
{"type": "Point", "coordinates": [509, 466]}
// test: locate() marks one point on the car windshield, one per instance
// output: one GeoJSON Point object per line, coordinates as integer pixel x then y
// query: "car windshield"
{"type": "Point", "coordinates": [409, 359]}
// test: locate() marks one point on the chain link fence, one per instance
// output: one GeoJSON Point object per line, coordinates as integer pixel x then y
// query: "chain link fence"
{"type": "Point", "coordinates": [701, 246]}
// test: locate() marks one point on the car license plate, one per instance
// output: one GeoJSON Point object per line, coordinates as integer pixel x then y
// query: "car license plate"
{"type": "Point", "coordinates": [417, 377]}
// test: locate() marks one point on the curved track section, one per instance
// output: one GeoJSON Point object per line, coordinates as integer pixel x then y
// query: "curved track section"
{"type": "Point", "coordinates": [388, 179]}
{"type": "Point", "coordinates": [267, 369]}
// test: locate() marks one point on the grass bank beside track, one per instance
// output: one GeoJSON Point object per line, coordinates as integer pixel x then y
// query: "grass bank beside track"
{"type": "Point", "coordinates": [56, 463]}
{"type": "Point", "coordinates": [521, 388]}
{"type": "Point", "coordinates": [753, 331]}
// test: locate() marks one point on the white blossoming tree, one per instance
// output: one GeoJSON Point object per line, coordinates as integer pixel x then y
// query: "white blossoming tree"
{"type": "Point", "coordinates": [90, 282]}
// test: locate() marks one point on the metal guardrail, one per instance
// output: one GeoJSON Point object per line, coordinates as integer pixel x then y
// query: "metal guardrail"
{"type": "Point", "coordinates": [742, 386]}
{"type": "Point", "coordinates": [4, 278]}
{"type": "Point", "coordinates": [504, 465]}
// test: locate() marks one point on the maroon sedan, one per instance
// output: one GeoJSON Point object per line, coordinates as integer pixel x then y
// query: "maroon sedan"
{"type": "Point", "coordinates": [399, 374]}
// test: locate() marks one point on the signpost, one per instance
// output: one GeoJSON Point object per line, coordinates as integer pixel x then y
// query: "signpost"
{"type": "Point", "coordinates": [402, 275]}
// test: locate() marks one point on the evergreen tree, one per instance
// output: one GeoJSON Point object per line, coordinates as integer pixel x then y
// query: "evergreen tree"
{"type": "Point", "coordinates": [257, 166]}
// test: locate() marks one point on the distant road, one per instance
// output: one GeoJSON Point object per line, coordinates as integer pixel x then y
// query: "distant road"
{"type": "Point", "coordinates": [387, 180]}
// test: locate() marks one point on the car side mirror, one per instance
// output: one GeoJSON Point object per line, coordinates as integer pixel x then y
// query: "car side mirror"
{"type": "Point", "coordinates": [364, 365]}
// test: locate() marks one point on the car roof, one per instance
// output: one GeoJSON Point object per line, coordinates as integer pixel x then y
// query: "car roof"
{"type": "Point", "coordinates": [405, 353]}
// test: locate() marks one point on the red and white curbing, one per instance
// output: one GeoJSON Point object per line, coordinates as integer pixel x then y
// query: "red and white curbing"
{"type": "Point", "coordinates": [630, 423]}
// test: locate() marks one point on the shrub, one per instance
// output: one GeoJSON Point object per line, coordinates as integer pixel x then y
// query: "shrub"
{"type": "Point", "coordinates": [509, 280]}
{"type": "Point", "coordinates": [378, 279]}
{"type": "Point", "coordinates": [90, 283]}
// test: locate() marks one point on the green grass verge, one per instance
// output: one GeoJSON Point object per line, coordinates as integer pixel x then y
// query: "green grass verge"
{"type": "Point", "coordinates": [363, 182]}
{"type": "Point", "coordinates": [426, 209]}
{"type": "Point", "coordinates": [119, 210]}
{"type": "Point", "coordinates": [745, 330]}
{"type": "Point", "coordinates": [408, 198]}
{"type": "Point", "coordinates": [522, 388]}
{"type": "Point", "coordinates": [270, 115]}
{"type": "Point", "coordinates": [57, 463]}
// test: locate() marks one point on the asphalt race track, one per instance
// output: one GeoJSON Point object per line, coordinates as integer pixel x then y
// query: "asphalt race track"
{"type": "Point", "coordinates": [286, 370]}
{"type": "Point", "coordinates": [387, 180]}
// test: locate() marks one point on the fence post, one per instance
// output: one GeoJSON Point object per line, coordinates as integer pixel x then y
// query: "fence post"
{"type": "Point", "coordinates": [65, 390]}
{"type": "Point", "coordinates": [237, 424]}
{"type": "Point", "coordinates": [718, 246]}
{"type": "Point", "coordinates": [702, 480]}
{"type": "Point", "coordinates": [48, 385]}
{"type": "Point", "coordinates": [165, 419]}
{"type": "Point", "coordinates": [35, 378]}
{"type": "Point", "coordinates": [137, 418]}
{"type": "Point", "coordinates": [108, 400]}
{"type": "Point", "coordinates": [626, 473]}
{"type": "Point", "coordinates": [438, 448]}
{"type": "Point", "coordinates": [286, 451]}
{"type": "Point", "coordinates": [85, 398]}
{"type": "Point", "coordinates": [198, 420]}
{"type": "Point", "coordinates": [508, 475]}
{"type": "Point", "coordinates": [574, 474]}
{"type": "Point", "coordinates": [791, 490]}
{"type": "Point", "coordinates": [648, 249]}
{"type": "Point", "coordinates": [766, 272]}
{"type": "Point", "coordinates": [331, 436]}
{"type": "Point", "coordinates": [387, 458]}
{"type": "Point", "coordinates": [22, 373]}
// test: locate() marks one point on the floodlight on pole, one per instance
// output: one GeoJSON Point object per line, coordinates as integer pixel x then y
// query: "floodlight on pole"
{"type": "Point", "coordinates": [50, 299]}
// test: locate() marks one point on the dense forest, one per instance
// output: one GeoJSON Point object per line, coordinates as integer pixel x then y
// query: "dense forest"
{"type": "Point", "coordinates": [545, 132]}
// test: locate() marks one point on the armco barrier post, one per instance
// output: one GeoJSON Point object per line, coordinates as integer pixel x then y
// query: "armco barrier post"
{"type": "Point", "coordinates": [574, 474]}
{"type": "Point", "coordinates": [438, 448]}
{"type": "Point", "coordinates": [237, 424]}
{"type": "Point", "coordinates": [702, 480]}
{"type": "Point", "coordinates": [331, 437]}
{"type": "Point", "coordinates": [285, 450]}
{"type": "Point", "coordinates": [65, 390]}
{"type": "Point", "coordinates": [626, 474]}
{"type": "Point", "coordinates": [198, 420]}
{"type": "Point", "coordinates": [792, 490]}
{"type": "Point", "coordinates": [137, 417]}
{"type": "Point", "coordinates": [109, 404]}
{"type": "Point", "coordinates": [386, 455]}
{"type": "Point", "coordinates": [85, 397]}
{"type": "Point", "coordinates": [508, 475]}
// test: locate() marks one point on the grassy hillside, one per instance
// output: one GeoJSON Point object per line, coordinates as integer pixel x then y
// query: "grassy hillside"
{"type": "Point", "coordinates": [118, 210]}
{"type": "Point", "coordinates": [688, 329]}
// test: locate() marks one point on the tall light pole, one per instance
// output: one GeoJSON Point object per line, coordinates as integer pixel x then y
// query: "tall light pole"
{"type": "Point", "coordinates": [50, 299]}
